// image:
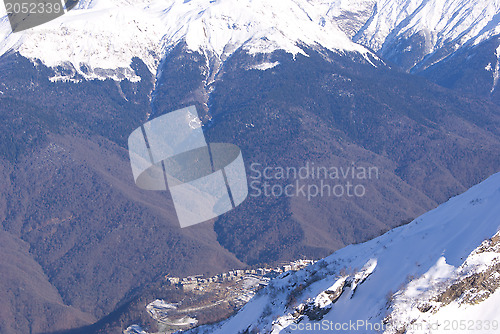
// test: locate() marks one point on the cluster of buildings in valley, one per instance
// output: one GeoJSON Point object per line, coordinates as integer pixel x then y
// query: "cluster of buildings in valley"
{"type": "Point", "coordinates": [263, 275]}
{"type": "Point", "coordinates": [208, 295]}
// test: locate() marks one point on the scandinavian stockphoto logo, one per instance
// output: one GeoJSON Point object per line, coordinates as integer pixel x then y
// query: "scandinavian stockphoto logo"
{"type": "Point", "coordinates": [26, 14]}
{"type": "Point", "coordinates": [205, 180]}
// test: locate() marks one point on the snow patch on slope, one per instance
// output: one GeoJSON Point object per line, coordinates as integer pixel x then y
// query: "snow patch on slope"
{"type": "Point", "coordinates": [496, 70]}
{"type": "Point", "coordinates": [264, 66]}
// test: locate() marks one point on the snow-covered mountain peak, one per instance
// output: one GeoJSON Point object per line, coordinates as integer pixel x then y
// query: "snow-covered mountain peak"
{"type": "Point", "coordinates": [260, 26]}
{"type": "Point", "coordinates": [100, 38]}
{"type": "Point", "coordinates": [103, 36]}
{"type": "Point", "coordinates": [440, 24]}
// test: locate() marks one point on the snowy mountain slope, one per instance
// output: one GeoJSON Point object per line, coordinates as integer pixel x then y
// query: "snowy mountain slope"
{"type": "Point", "coordinates": [350, 15]}
{"type": "Point", "coordinates": [473, 70]}
{"type": "Point", "coordinates": [410, 30]}
{"type": "Point", "coordinates": [98, 41]}
{"type": "Point", "coordinates": [438, 268]}
{"type": "Point", "coordinates": [100, 38]}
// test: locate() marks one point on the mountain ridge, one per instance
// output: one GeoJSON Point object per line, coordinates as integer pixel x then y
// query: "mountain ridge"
{"type": "Point", "coordinates": [414, 34]}
{"type": "Point", "coordinates": [216, 28]}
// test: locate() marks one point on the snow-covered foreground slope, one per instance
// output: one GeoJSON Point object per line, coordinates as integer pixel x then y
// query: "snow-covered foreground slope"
{"type": "Point", "coordinates": [103, 35]}
{"type": "Point", "coordinates": [439, 272]}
